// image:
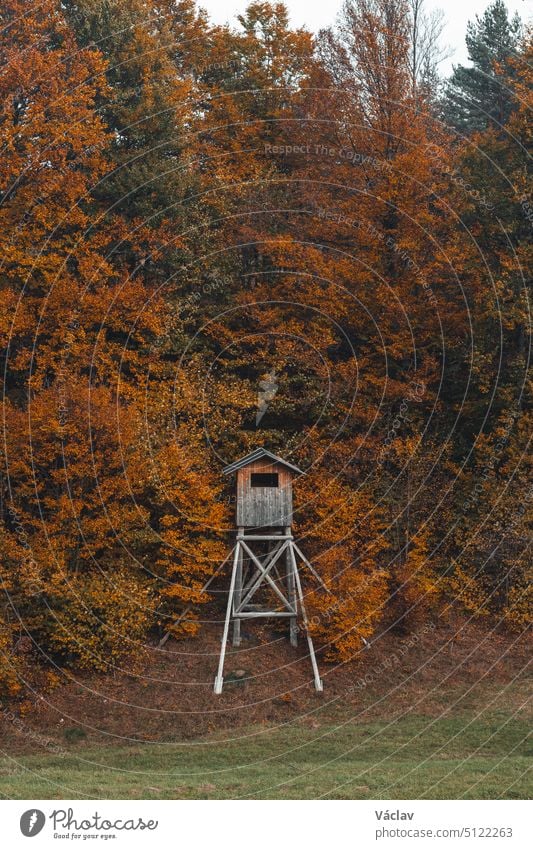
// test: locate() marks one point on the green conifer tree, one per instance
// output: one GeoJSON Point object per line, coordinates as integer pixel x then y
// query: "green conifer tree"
{"type": "Point", "coordinates": [479, 96]}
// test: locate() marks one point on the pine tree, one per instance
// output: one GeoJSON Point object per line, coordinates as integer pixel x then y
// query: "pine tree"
{"type": "Point", "coordinates": [493, 508]}
{"type": "Point", "coordinates": [146, 103]}
{"type": "Point", "coordinates": [479, 96]}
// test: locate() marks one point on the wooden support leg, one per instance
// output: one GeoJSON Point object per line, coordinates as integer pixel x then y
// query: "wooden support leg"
{"type": "Point", "coordinates": [291, 595]}
{"type": "Point", "coordinates": [237, 597]}
{"type": "Point", "coordinates": [311, 569]}
{"type": "Point", "coordinates": [219, 680]}
{"type": "Point", "coordinates": [318, 682]}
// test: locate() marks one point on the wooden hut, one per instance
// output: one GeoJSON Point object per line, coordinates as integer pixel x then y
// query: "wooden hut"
{"type": "Point", "coordinates": [264, 490]}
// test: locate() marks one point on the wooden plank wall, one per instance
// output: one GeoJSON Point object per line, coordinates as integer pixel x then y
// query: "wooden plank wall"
{"type": "Point", "coordinates": [264, 507]}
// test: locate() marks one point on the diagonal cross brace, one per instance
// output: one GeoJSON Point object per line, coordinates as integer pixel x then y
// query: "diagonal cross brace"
{"type": "Point", "coordinates": [251, 581]}
{"type": "Point", "coordinates": [264, 575]}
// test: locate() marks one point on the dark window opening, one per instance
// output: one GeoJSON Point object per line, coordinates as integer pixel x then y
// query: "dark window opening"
{"type": "Point", "coordinates": [264, 479]}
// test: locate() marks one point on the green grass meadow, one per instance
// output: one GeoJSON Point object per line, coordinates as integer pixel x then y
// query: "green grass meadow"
{"type": "Point", "coordinates": [415, 757]}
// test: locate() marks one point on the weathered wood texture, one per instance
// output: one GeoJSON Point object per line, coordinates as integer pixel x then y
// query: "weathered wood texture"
{"type": "Point", "coordinates": [264, 507]}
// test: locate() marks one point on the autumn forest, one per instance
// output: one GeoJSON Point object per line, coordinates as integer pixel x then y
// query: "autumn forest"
{"type": "Point", "coordinates": [215, 238]}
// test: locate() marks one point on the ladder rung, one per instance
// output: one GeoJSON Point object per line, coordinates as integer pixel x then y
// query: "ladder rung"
{"type": "Point", "coordinates": [256, 614]}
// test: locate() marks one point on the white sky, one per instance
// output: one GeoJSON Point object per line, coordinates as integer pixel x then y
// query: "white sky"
{"type": "Point", "coordinates": [315, 14]}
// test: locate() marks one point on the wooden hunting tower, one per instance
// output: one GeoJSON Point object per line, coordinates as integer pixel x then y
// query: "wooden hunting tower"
{"type": "Point", "coordinates": [264, 541]}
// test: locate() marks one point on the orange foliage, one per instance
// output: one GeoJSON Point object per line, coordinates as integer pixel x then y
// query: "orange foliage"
{"type": "Point", "coordinates": [187, 208]}
{"type": "Point", "coordinates": [339, 527]}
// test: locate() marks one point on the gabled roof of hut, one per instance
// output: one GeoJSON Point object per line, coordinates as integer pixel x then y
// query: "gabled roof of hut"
{"type": "Point", "coordinates": [259, 454]}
